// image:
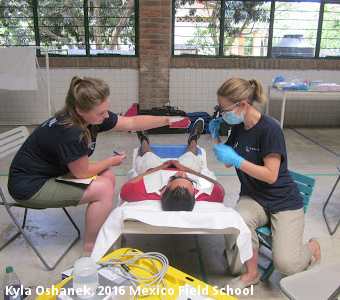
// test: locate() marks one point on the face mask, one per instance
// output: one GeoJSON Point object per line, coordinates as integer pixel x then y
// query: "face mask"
{"type": "Point", "coordinates": [231, 118]}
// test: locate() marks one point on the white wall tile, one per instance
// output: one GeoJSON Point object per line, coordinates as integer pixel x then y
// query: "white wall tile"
{"type": "Point", "coordinates": [300, 110]}
{"type": "Point", "coordinates": [190, 90]}
{"type": "Point", "coordinates": [21, 107]}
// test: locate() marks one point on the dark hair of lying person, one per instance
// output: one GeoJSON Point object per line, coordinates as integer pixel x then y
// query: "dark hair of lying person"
{"type": "Point", "coordinates": [178, 199]}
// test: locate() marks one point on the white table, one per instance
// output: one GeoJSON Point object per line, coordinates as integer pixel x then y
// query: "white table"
{"type": "Point", "coordinates": [286, 93]}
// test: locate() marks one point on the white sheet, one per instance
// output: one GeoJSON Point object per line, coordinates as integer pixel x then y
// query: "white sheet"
{"type": "Point", "coordinates": [205, 215]}
{"type": "Point", "coordinates": [18, 69]}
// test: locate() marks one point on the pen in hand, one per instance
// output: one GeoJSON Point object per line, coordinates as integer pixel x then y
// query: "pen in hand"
{"type": "Point", "coordinates": [115, 152]}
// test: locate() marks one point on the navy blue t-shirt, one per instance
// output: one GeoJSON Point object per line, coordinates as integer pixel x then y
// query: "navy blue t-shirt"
{"type": "Point", "coordinates": [254, 145]}
{"type": "Point", "coordinates": [46, 153]}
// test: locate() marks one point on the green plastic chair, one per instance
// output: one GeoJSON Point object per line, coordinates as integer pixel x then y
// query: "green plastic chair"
{"type": "Point", "coordinates": [306, 185]}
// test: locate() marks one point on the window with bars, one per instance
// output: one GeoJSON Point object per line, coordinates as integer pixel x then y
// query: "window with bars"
{"type": "Point", "coordinates": [70, 27]}
{"type": "Point", "coordinates": [330, 39]}
{"type": "Point", "coordinates": [256, 28]}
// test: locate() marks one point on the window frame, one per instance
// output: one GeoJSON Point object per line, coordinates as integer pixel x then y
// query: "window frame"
{"type": "Point", "coordinates": [270, 33]}
{"type": "Point", "coordinates": [86, 37]}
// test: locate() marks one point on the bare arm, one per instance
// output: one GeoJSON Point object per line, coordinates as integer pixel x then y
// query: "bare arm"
{"type": "Point", "coordinates": [82, 168]}
{"type": "Point", "coordinates": [139, 123]}
{"type": "Point", "coordinates": [267, 173]}
{"type": "Point", "coordinates": [185, 169]}
{"type": "Point", "coordinates": [161, 167]}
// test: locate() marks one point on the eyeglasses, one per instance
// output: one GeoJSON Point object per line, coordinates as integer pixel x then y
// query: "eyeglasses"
{"type": "Point", "coordinates": [194, 183]}
{"type": "Point", "coordinates": [223, 111]}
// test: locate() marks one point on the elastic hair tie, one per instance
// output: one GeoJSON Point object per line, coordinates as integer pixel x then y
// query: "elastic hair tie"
{"type": "Point", "coordinates": [252, 83]}
{"type": "Point", "coordinates": [78, 81]}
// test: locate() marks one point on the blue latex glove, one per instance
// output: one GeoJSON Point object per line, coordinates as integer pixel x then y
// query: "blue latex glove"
{"type": "Point", "coordinates": [214, 127]}
{"type": "Point", "coordinates": [227, 155]}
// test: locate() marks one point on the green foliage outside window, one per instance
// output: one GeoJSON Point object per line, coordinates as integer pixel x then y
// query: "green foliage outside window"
{"type": "Point", "coordinates": [250, 28]}
{"type": "Point", "coordinates": [70, 27]}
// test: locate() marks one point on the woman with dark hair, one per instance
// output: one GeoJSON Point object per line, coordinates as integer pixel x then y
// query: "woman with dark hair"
{"type": "Point", "coordinates": [256, 147]}
{"type": "Point", "coordinates": [64, 144]}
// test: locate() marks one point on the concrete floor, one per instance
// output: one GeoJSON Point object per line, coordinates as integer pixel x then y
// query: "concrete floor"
{"type": "Point", "coordinates": [47, 228]}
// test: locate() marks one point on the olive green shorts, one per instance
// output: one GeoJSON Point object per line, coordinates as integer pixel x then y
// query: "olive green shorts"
{"type": "Point", "coordinates": [56, 194]}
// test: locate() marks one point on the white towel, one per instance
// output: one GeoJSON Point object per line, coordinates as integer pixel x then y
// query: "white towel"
{"type": "Point", "coordinates": [18, 69]}
{"type": "Point", "coordinates": [206, 215]}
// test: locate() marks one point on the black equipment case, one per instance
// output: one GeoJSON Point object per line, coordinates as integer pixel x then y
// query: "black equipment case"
{"type": "Point", "coordinates": [167, 111]}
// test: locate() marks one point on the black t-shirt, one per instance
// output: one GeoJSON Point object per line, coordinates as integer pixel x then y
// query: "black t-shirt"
{"type": "Point", "coordinates": [46, 153]}
{"type": "Point", "coordinates": [254, 145]}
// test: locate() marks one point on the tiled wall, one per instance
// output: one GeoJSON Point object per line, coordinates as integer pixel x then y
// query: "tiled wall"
{"type": "Point", "coordinates": [21, 107]}
{"type": "Point", "coordinates": [123, 85]}
{"type": "Point", "coordinates": [195, 90]}
{"type": "Point", "coordinates": [191, 90]}
{"type": "Point", "coordinates": [31, 107]}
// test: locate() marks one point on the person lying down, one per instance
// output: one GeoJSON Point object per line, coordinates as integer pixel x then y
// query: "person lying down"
{"type": "Point", "coordinates": [177, 183]}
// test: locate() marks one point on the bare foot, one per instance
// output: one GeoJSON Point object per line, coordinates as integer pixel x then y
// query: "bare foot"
{"type": "Point", "coordinates": [249, 277]}
{"type": "Point", "coordinates": [316, 249]}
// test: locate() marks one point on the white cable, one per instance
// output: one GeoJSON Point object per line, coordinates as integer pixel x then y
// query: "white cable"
{"type": "Point", "coordinates": [115, 261]}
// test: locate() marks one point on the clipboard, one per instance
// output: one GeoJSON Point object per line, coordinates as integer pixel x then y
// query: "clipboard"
{"type": "Point", "coordinates": [68, 177]}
